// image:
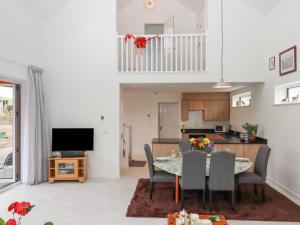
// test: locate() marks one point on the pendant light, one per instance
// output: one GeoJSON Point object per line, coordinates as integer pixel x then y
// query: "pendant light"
{"type": "Point", "coordinates": [222, 83]}
{"type": "Point", "coordinates": [149, 4]}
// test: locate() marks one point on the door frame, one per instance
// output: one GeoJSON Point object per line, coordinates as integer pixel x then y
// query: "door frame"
{"type": "Point", "coordinates": [160, 103]}
{"type": "Point", "coordinates": [16, 132]}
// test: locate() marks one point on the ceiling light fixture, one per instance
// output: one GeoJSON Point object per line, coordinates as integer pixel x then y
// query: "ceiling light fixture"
{"type": "Point", "coordinates": [149, 4]}
{"type": "Point", "coordinates": [222, 83]}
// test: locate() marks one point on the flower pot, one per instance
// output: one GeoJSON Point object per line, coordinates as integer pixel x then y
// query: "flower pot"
{"type": "Point", "coordinates": [252, 138]}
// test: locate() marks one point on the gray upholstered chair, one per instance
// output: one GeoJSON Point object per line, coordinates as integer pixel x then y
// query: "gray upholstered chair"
{"type": "Point", "coordinates": [185, 146]}
{"type": "Point", "coordinates": [193, 173]}
{"type": "Point", "coordinates": [156, 176]}
{"type": "Point", "coordinates": [221, 174]}
{"type": "Point", "coordinates": [258, 177]}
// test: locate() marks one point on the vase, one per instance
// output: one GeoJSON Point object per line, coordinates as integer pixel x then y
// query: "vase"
{"type": "Point", "coordinates": [252, 138]}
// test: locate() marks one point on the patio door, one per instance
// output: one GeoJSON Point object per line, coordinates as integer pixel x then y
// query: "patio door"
{"type": "Point", "coordinates": [9, 133]}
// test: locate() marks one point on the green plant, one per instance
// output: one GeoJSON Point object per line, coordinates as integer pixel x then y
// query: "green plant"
{"type": "Point", "coordinates": [250, 128]}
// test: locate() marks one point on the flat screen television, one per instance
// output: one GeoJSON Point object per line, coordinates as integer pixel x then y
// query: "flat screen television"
{"type": "Point", "coordinates": [72, 139]}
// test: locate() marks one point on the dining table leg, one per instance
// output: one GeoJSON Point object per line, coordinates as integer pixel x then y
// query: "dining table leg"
{"type": "Point", "coordinates": [177, 190]}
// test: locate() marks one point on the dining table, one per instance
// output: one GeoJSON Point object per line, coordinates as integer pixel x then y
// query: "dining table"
{"type": "Point", "coordinates": [173, 165]}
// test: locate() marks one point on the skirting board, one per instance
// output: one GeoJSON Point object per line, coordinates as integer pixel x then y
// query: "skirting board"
{"type": "Point", "coordinates": [284, 190]}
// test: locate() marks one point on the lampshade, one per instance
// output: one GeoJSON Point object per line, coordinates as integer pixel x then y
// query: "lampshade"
{"type": "Point", "coordinates": [149, 4]}
{"type": "Point", "coordinates": [222, 85]}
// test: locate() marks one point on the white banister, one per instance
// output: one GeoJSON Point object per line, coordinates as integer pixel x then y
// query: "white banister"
{"type": "Point", "coordinates": [168, 53]}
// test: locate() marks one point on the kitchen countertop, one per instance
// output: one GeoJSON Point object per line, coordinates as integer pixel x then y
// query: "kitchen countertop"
{"type": "Point", "coordinates": [166, 141]}
{"type": "Point", "coordinates": [232, 137]}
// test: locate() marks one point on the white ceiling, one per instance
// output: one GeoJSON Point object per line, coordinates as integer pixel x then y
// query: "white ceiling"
{"type": "Point", "coordinates": [180, 88]}
{"type": "Point", "coordinates": [262, 6]}
{"type": "Point", "coordinates": [46, 8]}
{"type": "Point", "coordinates": [191, 4]}
{"type": "Point", "coordinates": [43, 8]}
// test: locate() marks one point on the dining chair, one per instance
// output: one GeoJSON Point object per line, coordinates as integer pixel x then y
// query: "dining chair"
{"type": "Point", "coordinates": [258, 177]}
{"type": "Point", "coordinates": [185, 146]}
{"type": "Point", "coordinates": [221, 174]}
{"type": "Point", "coordinates": [193, 173]}
{"type": "Point", "coordinates": [156, 176]}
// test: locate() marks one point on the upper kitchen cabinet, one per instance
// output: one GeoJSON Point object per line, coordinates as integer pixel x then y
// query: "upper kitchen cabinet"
{"type": "Point", "coordinates": [184, 110]}
{"type": "Point", "coordinates": [217, 111]}
{"type": "Point", "coordinates": [216, 105]}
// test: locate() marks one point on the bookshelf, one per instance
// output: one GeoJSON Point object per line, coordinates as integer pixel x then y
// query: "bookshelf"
{"type": "Point", "coordinates": [68, 169]}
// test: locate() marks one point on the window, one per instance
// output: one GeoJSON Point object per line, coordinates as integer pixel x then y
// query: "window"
{"type": "Point", "coordinates": [241, 100]}
{"type": "Point", "coordinates": [293, 94]}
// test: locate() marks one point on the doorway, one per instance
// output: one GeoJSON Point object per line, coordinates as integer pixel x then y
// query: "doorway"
{"type": "Point", "coordinates": [9, 133]}
{"type": "Point", "coordinates": [168, 120]}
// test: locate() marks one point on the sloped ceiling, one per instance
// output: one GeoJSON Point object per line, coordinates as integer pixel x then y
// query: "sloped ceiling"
{"type": "Point", "coordinates": [191, 4]}
{"type": "Point", "coordinates": [43, 8]}
{"type": "Point", "coordinates": [262, 6]}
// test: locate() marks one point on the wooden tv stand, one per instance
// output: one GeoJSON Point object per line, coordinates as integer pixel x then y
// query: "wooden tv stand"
{"type": "Point", "coordinates": [68, 168]}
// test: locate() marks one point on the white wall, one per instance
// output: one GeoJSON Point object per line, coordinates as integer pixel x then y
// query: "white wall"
{"type": "Point", "coordinates": [20, 44]}
{"type": "Point", "coordinates": [137, 106]}
{"type": "Point", "coordinates": [81, 83]}
{"type": "Point", "coordinates": [278, 123]}
{"type": "Point", "coordinates": [131, 19]}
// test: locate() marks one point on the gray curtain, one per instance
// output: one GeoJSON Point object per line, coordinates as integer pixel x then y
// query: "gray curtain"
{"type": "Point", "coordinates": [39, 147]}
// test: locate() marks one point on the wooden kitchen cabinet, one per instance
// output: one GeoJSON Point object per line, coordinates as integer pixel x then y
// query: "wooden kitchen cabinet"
{"type": "Point", "coordinates": [160, 149]}
{"type": "Point", "coordinates": [196, 106]}
{"type": "Point", "coordinates": [217, 111]}
{"type": "Point", "coordinates": [237, 149]}
{"type": "Point", "coordinates": [184, 110]}
{"type": "Point", "coordinates": [250, 151]}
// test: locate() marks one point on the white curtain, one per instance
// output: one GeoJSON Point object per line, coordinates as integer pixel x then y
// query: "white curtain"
{"type": "Point", "coordinates": [39, 147]}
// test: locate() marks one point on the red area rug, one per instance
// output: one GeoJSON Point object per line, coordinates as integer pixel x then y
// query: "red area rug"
{"type": "Point", "coordinates": [276, 208]}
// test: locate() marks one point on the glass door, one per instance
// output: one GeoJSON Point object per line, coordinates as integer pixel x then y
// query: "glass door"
{"type": "Point", "coordinates": [9, 134]}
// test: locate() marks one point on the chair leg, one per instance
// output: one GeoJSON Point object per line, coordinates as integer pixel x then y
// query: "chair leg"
{"type": "Point", "coordinates": [232, 200]}
{"type": "Point", "coordinates": [182, 198]}
{"type": "Point", "coordinates": [151, 189]}
{"type": "Point", "coordinates": [239, 192]}
{"type": "Point", "coordinates": [255, 189]}
{"type": "Point", "coordinates": [203, 199]}
{"type": "Point", "coordinates": [263, 196]}
{"type": "Point", "coordinates": [210, 200]}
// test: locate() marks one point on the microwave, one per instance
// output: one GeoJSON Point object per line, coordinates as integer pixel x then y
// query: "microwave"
{"type": "Point", "coordinates": [221, 129]}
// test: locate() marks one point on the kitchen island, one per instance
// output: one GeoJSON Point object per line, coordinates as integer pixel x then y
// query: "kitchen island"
{"type": "Point", "coordinates": [223, 142]}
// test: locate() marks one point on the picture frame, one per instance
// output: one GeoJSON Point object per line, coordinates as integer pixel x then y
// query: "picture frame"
{"type": "Point", "coordinates": [272, 63]}
{"type": "Point", "coordinates": [288, 61]}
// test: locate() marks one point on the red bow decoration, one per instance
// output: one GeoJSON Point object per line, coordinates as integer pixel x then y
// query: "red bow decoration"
{"type": "Point", "coordinates": [140, 41]}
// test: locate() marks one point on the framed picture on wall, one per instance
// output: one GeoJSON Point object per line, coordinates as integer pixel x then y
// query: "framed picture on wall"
{"type": "Point", "coordinates": [272, 63]}
{"type": "Point", "coordinates": [288, 61]}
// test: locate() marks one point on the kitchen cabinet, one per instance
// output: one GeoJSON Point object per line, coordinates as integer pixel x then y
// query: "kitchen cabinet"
{"type": "Point", "coordinates": [237, 149]}
{"type": "Point", "coordinates": [184, 110]}
{"type": "Point", "coordinates": [217, 111]}
{"type": "Point", "coordinates": [196, 106]}
{"type": "Point", "coordinates": [160, 149]}
{"type": "Point", "coordinates": [250, 151]}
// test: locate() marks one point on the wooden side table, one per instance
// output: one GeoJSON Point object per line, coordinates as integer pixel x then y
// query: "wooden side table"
{"type": "Point", "coordinates": [68, 169]}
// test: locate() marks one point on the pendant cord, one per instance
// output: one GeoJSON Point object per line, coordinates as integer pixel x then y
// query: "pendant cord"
{"type": "Point", "coordinates": [222, 47]}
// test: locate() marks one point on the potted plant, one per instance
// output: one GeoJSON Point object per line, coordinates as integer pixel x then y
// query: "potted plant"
{"type": "Point", "coordinates": [18, 209]}
{"type": "Point", "coordinates": [251, 130]}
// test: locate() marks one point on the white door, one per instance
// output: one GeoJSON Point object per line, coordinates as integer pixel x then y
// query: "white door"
{"type": "Point", "coordinates": [168, 120]}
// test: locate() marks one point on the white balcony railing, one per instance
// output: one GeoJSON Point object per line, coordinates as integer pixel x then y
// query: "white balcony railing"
{"type": "Point", "coordinates": [169, 53]}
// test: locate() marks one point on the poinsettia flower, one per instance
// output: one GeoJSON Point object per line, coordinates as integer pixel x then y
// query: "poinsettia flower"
{"type": "Point", "coordinates": [23, 208]}
{"type": "Point", "coordinates": [13, 206]}
{"type": "Point", "coordinates": [11, 222]}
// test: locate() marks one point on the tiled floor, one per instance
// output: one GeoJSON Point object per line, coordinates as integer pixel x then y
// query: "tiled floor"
{"type": "Point", "coordinates": [98, 201]}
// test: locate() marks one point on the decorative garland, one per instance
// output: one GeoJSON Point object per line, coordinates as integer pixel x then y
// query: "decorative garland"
{"type": "Point", "coordinates": [140, 41]}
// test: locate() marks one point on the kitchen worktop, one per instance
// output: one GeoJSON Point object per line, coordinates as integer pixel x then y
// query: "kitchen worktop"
{"type": "Point", "coordinates": [166, 141]}
{"type": "Point", "coordinates": [222, 138]}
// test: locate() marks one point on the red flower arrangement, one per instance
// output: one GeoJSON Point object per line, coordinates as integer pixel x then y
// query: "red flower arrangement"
{"type": "Point", "coordinates": [140, 41]}
{"type": "Point", "coordinates": [21, 209]}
